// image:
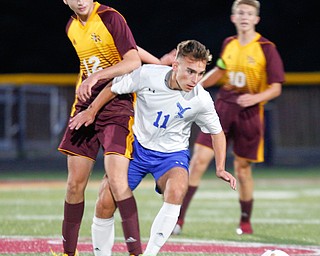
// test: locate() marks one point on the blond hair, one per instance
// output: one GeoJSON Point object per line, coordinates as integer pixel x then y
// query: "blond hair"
{"type": "Point", "coordinates": [253, 3]}
{"type": "Point", "coordinates": [193, 50]}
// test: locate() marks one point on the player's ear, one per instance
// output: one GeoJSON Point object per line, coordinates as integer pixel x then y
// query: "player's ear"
{"type": "Point", "coordinates": [65, 2]}
{"type": "Point", "coordinates": [232, 18]}
{"type": "Point", "coordinates": [257, 20]}
{"type": "Point", "coordinates": [175, 65]}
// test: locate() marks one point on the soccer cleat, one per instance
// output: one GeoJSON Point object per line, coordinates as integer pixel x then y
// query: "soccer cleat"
{"type": "Point", "coordinates": [63, 254]}
{"type": "Point", "coordinates": [244, 228]}
{"type": "Point", "coordinates": [177, 230]}
{"type": "Point", "coordinates": [56, 254]}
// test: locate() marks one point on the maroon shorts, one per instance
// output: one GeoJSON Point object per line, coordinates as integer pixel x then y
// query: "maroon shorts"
{"type": "Point", "coordinates": [243, 126]}
{"type": "Point", "coordinates": [114, 135]}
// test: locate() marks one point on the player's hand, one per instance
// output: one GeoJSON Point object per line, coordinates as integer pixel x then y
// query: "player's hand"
{"type": "Point", "coordinates": [247, 100]}
{"type": "Point", "coordinates": [84, 90]}
{"type": "Point", "coordinates": [86, 117]}
{"type": "Point", "coordinates": [228, 177]}
{"type": "Point", "coordinates": [168, 58]}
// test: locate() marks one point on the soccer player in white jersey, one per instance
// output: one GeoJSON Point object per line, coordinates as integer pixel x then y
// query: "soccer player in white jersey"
{"type": "Point", "coordinates": [169, 100]}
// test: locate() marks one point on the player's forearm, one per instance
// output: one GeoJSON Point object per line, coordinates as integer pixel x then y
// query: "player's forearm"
{"type": "Point", "coordinates": [212, 77]}
{"type": "Point", "coordinates": [103, 98]}
{"type": "Point", "coordinates": [130, 62]}
{"type": "Point", "coordinates": [220, 147]}
{"type": "Point", "coordinates": [147, 57]}
{"type": "Point", "coordinates": [272, 92]}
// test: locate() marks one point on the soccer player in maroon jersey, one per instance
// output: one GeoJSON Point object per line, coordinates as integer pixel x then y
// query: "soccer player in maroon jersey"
{"type": "Point", "coordinates": [106, 48]}
{"type": "Point", "coordinates": [254, 74]}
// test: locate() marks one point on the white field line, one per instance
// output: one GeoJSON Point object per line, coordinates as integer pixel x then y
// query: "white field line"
{"type": "Point", "coordinates": [210, 219]}
{"type": "Point", "coordinates": [206, 194]}
{"type": "Point", "coordinates": [259, 194]}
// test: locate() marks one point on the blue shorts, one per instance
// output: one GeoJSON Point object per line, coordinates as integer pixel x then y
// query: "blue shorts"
{"type": "Point", "coordinates": [156, 163]}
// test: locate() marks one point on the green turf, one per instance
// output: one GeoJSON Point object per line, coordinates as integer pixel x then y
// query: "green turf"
{"type": "Point", "coordinates": [286, 208]}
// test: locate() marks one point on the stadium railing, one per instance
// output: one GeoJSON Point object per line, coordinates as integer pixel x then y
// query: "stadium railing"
{"type": "Point", "coordinates": [35, 107]}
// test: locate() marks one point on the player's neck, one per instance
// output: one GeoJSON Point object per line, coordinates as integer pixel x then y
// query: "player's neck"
{"type": "Point", "coordinates": [246, 37]}
{"type": "Point", "coordinates": [83, 19]}
{"type": "Point", "coordinates": [174, 84]}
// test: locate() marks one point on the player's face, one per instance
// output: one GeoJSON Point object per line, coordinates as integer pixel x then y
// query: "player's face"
{"type": "Point", "coordinates": [245, 18]}
{"type": "Point", "coordinates": [188, 72]}
{"type": "Point", "coordinates": [82, 8]}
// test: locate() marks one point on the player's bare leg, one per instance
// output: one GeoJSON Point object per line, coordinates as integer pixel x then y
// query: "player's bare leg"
{"type": "Point", "coordinates": [79, 169]}
{"type": "Point", "coordinates": [243, 172]}
{"type": "Point", "coordinates": [116, 167]}
{"type": "Point", "coordinates": [103, 222]}
{"type": "Point", "coordinates": [201, 158]}
{"type": "Point", "coordinates": [174, 185]}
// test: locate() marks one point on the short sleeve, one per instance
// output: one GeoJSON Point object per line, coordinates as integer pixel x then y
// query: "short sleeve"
{"type": "Point", "coordinates": [208, 119]}
{"type": "Point", "coordinates": [127, 83]}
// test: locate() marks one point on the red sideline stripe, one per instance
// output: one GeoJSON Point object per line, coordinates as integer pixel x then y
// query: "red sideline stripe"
{"type": "Point", "coordinates": [11, 245]}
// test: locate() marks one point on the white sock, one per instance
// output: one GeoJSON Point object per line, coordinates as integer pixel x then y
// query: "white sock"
{"type": "Point", "coordinates": [162, 227]}
{"type": "Point", "coordinates": [102, 231]}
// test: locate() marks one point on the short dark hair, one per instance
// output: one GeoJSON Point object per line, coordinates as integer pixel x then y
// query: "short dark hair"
{"type": "Point", "coordinates": [193, 50]}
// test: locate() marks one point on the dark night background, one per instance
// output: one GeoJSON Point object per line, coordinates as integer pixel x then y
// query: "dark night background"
{"type": "Point", "coordinates": [33, 35]}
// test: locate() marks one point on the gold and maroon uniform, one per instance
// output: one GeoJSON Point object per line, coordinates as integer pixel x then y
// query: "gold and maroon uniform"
{"type": "Point", "coordinates": [249, 69]}
{"type": "Point", "coordinates": [99, 44]}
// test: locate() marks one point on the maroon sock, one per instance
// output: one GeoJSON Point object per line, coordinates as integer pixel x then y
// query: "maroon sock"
{"type": "Point", "coordinates": [70, 226]}
{"type": "Point", "coordinates": [186, 201]}
{"type": "Point", "coordinates": [130, 224]}
{"type": "Point", "coordinates": [246, 210]}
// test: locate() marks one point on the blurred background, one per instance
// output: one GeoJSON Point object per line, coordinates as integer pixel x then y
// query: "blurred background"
{"type": "Point", "coordinates": [33, 33]}
{"type": "Point", "coordinates": [38, 68]}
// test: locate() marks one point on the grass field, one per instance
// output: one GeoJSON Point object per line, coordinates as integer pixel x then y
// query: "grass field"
{"type": "Point", "coordinates": [286, 209]}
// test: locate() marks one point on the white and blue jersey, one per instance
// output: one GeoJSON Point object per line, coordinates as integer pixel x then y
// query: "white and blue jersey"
{"type": "Point", "coordinates": [163, 117]}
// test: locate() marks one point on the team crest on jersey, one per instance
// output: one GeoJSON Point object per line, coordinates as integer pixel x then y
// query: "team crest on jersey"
{"type": "Point", "coordinates": [181, 110]}
{"type": "Point", "coordinates": [96, 38]}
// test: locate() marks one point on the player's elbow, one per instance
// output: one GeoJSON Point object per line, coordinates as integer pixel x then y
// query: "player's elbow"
{"type": "Point", "coordinates": [132, 60]}
{"type": "Point", "coordinates": [136, 64]}
{"type": "Point", "coordinates": [277, 90]}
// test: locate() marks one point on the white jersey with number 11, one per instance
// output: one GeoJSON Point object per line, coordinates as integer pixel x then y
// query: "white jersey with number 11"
{"type": "Point", "coordinates": [163, 117]}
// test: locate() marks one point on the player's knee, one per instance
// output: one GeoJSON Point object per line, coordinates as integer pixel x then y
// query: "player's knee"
{"type": "Point", "coordinates": [117, 191]}
{"type": "Point", "coordinates": [74, 189]}
{"type": "Point", "coordinates": [175, 194]}
{"type": "Point", "coordinates": [199, 163]}
{"type": "Point", "coordinates": [120, 190]}
{"type": "Point", "coordinates": [243, 173]}
{"type": "Point", "coordinates": [240, 176]}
